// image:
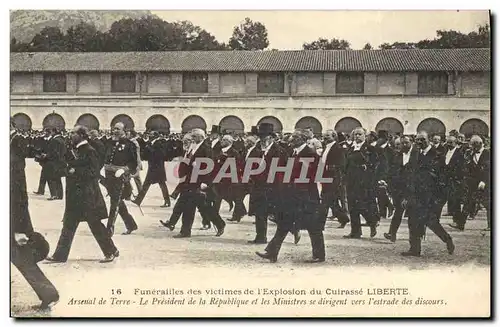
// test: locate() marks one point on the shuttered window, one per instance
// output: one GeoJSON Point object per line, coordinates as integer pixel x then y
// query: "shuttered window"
{"type": "Point", "coordinates": [54, 82]}
{"type": "Point", "coordinates": [123, 82]}
{"type": "Point", "coordinates": [271, 83]}
{"type": "Point", "coordinates": [433, 83]}
{"type": "Point", "coordinates": [195, 83]}
{"type": "Point", "coordinates": [350, 83]}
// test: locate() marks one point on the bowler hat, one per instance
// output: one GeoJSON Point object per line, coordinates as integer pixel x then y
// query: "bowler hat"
{"type": "Point", "coordinates": [39, 246]}
{"type": "Point", "coordinates": [382, 134]}
{"type": "Point", "coordinates": [215, 129]}
{"type": "Point", "coordinates": [265, 129]}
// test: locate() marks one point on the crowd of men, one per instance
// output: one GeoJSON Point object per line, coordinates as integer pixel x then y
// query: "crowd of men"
{"type": "Point", "coordinates": [373, 175]}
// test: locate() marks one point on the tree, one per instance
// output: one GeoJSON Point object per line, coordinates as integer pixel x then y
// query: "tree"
{"type": "Point", "coordinates": [368, 46]}
{"type": "Point", "coordinates": [196, 38]}
{"type": "Point", "coordinates": [50, 39]}
{"type": "Point", "coordinates": [448, 40]}
{"type": "Point", "coordinates": [16, 46]}
{"type": "Point", "coordinates": [82, 37]}
{"type": "Point", "coordinates": [397, 45]}
{"type": "Point", "coordinates": [325, 44]}
{"type": "Point", "coordinates": [249, 35]}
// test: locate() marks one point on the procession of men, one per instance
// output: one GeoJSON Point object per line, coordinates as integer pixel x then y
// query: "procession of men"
{"type": "Point", "coordinates": [361, 177]}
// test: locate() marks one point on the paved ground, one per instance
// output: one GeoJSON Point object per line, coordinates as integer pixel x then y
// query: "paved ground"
{"type": "Point", "coordinates": [151, 252]}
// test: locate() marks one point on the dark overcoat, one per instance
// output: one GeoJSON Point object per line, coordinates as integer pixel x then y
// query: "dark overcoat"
{"type": "Point", "coordinates": [19, 213]}
{"type": "Point", "coordinates": [155, 154]}
{"type": "Point", "coordinates": [301, 202]}
{"type": "Point", "coordinates": [55, 160]}
{"type": "Point", "coordinates": [84, 200]}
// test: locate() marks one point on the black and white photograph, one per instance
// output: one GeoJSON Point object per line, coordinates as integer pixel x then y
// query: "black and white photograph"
{"type": "Point", "coordinates": [231, 163]}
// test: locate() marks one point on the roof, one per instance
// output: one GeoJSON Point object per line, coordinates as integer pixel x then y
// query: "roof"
{"type": "Point", "coordinates": [257, 61]}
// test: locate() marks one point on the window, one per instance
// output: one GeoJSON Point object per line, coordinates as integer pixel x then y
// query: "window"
{"type": "Point", "coordinates": [271, 83]}
{"type": "Point", "coordinates": [433, 83]}
{"type": "Point", "coordinates": [123, 82]}
{"type": "Point", "coordinates": [195, 83]}
{"type": "Point", "coordinates": [54, 82]}
{"type": "Point", "coordinates": [350, 83]}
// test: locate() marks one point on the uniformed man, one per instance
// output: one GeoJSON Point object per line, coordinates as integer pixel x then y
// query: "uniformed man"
{"type": "Point", "coordinates": [121, 156]}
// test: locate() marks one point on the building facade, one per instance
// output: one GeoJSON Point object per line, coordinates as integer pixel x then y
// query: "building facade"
{"type": "Point", "coordinates": [397, 90]}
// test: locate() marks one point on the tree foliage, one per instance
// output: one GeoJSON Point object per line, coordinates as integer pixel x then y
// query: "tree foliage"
{"type": "Point", "coordinates": [148, 33]}
{"type": "Point", "coordinates": [448, 40]}
{"type": "Point", "coordinates": [325, 44]}
{"type": "Point", "coordinates": [249, 35]}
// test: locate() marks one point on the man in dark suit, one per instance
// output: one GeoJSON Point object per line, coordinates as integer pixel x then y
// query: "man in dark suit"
{"type": "Point", "coordinates": [21, 228]}
{"type": "Point", "coordinates": [230, 189]}
{"type": "Point", "coordinates": [195, 191]}
{"type": "Point", "coordinates": [84, 200]}
{"type": "Point", "coordinates": [182, 170]}
{"type": "Point", "coordinates": [215, 140]}
{"type": "Point", "coordinates": [300, 203]}
{"type": "Point", "coordinates": [55, 163]}
{"type": "Point", "coordinates": [155, 154]}
{"type": "Point", "coordinates": [253, 151]}
{"type": "Point", "coordinates": [333, 161]}
{"type": "Point", "coordinates": [360, 172]}
{"type": "Point", "coordinates": [385, 207]}
{"type": "Point", "coordinates": [438, 145]}
{"type": "Point", "coordinates": [452, 179]}
{"type": "Point", "coordinates": [40, 147]}
{"type": "Point", "coordinates": [121, 156]}
{"type": "Point", "coordinates": [266, 194]}
{"type": "Point", "coordinates": [405, 155]}
{"type": "Point", "coordinates": [423, 197]}
{"type": "Point", "coordinates": [478, 168]}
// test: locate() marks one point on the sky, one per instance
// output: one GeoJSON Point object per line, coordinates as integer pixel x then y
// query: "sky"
{"type": "Point", "coordinates": [288, 30]}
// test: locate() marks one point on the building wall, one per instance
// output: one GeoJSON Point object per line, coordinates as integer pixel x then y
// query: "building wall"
{"type": "Point", "coordinates": [476, 84]}
{"type": "Point", "coordinates": [313, 94]}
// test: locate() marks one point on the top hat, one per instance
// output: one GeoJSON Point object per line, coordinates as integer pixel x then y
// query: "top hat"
{"type": "Point", "coordinates": [382, 134]}
{"type": "Point", "coordinates": [215, 129]}
{"type": "Point", "coordinates": [265, 129]}
{"type": "Point", "coordinates": [39, 246]}
{"type": "Point", "coordinates": [254, 130]}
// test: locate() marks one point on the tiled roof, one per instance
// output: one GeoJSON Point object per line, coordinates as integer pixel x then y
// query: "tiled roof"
{"type": "Point", "coordinates": [241, 61]}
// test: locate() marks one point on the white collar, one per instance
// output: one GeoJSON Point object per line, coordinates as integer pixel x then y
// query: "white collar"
{"type": "Point", "coordinates": [384, 145]}
{"type": "Point", "coordinates": [194, 147]}
{"type": "Point", "coordinates": [426, 150]}
{"type": "Point", "coordinates": [409, 151]}
{"type": "Point", "coordinates": [268, 147]}
{"type": "Point", "coordinates": [12, 132]}
{"type": "Point", "coordinates": [300, 148]}
{"type": "Point", "coordinates": [330, 144]}
{"type": "Point", "coordinates": [214, 142]}
{"type": "Point", "coordinates": [453, 150]}
{"type": "Point", "coordinates": [226, 148]}
{"type": "Point", "coordinates": [480, 152]}
{"type": "Point", "coordinates": [374, 143]}
{"type": "Point", "coordinates": [81, 143]}
{"type": "Point", "coordinates": [357, 145]}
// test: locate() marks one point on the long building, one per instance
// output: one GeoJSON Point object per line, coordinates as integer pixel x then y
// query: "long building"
{"type": "Point", "coordinates": [402, 91]}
